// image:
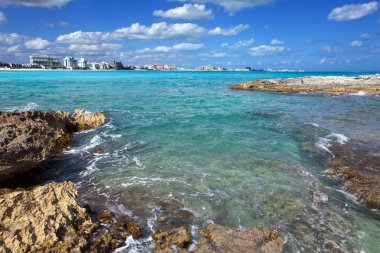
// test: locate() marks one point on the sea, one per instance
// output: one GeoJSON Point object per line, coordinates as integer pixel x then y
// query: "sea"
{"type": "Point", "coordinates": [181, 148]}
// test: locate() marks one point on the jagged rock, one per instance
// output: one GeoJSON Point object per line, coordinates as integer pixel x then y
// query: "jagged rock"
{"type": "Point", "coordinates": [219, 239]}
{"type": "Point", "coordinates": [45, 219]}
{"type": "Point", "coordinates": [332, 85]}
{"type": "Point", "coordinates": [216, 238]}
{"type": "Point", "coordinates": [28, 138]}
{"type": "Point", "coordinates": [172, 241]}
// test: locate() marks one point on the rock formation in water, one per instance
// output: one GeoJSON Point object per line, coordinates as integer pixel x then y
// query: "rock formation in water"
{"type": "Point", "coordinates": [49, 218]}
{"type": "Point", "coordinates": [219, 239]}
{"type": "Point", "coordinates": [332, 85]}
{"type": "Point", "coordinates": [357, 165]}
{"type": "Point", "coordinates": [28, 138]}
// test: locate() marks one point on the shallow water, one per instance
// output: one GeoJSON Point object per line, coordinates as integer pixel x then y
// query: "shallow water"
{"type": "Point", "coordinates": [183, 140]}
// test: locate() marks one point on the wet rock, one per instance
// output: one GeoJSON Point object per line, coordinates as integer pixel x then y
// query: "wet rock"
{"type": "Point", "coordinates": [45, 219]}
{"type": "Point", "coordinates": [219, 239]}
{"type": "Point", "coordinates": [172, 241]}
{"type": "Point", "coordinates": [332, 85]}
{"type": "Point", "coordinates": [357, 165]}
{"type": "Point", "coordinates": [28, 138]}
{"type": "Point", "coordinates": [216, 238]}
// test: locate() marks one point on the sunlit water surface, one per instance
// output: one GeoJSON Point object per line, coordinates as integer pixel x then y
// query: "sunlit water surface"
{"type": "Point", "coordinates": [183, 140]}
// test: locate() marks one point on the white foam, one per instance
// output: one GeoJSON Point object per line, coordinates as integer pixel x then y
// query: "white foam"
{"type": "Point", "coordinates": [137, 161]}
{"type": "Point", "coordinates": [94, 142]}
{"type": "Point", "coordinates": [359, 93]}
{"type": "Point", "coordinates": [340, 138]}
{"type": "Point", "coordinates": [324, 144]}
{"type": "Point", "coordinates": [91, 168]}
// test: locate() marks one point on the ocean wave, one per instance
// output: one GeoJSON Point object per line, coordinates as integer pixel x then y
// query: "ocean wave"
{"type": "Point", "coordinates": [359, 93]}
{"type": "Point", "coordinates": [324, 143]}
{"type": "Point", "coordinates": [94, 142]}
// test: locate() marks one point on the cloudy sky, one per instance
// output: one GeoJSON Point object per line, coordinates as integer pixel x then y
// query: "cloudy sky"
{"type": "Point", "coordinates": [333, 35]}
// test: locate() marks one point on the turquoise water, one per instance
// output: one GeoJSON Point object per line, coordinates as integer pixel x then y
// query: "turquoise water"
{"type": "Point", "coordinates": [184, 140]}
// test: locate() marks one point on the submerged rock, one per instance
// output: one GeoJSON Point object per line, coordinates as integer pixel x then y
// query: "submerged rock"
{"type": "Point", "coordinates": [219, 239]}
{"type": "Point", "coordinates": [332, 85]}
{"type": "Point", "coordinates": [28, 138]}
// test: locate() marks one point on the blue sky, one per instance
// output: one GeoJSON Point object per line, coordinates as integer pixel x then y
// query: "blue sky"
{"type": "Point", "coordinates": [323, 35]}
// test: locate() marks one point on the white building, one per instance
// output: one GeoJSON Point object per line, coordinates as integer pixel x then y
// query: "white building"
{"type": "Point", "coordinates": [82, 63]}
{"type": "Point", "coordinates": [45, 62]}
{"type": "Point", "coordinates": [69, 62]}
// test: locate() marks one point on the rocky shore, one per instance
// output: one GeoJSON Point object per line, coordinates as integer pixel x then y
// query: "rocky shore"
{"type": "Point", "coordinates": [47, 216]}
{"type": "Point", "coordinates": [331, 85]}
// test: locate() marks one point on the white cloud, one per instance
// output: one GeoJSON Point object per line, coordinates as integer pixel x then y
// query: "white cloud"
{"type": "Point", "coordinates": [266, 50]}
{"type": "Point", "coordinates": [187, 47]}
{"type": "Point", "coordinates": [365, 36]}
{"type": "Point", "coordinates": [94, 47]}
{"type": "Point", "coordinates": [353, 11]}
{"type": "Point", "coordinates": [37, 44]}
{"type": "Point", "coordinates": [239, 44]}
{"type": "Point", "coordinates": [228, 31]}
{"type": "Point", "coordinates": [330, 49]}
{"type": "Point", "coordinates": [326, 61]}
{"type": "Point", "coordinates": [2, 18]}
{"type": "Point", "coordinates": [10, 38]}
{"type": "Point", "coordinates": [356, 43]}
{"type": "Point", "coordinates": [63, 23]}
{"type": "Point", "coordinates": [15, 49]}
{"type": "Point", "coordinates": [159, 31]}
{"type": "Point", "coordinates": [233, 6]}
{"type": "Point", "coordinates": [276, 42]}
{"type": "Point", "coordinates": [34, 3]}
{"type": "Point", "coordinates": [80, 37]}
{"type": "Point", "coordinates": [156, 31]}
{"type": "Point", "coordinates": [186, 12]}
{"type": "Point", "coordinates": [167, 49]}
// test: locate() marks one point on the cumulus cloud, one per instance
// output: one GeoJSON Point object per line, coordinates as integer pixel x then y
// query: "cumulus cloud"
{"type": "Point", "coordinates": [37, 44]}
{"type": "Point", "coordinates": [34, 3]}
{"type": "Point", "coordinates": [277, 42]}
{"type": "Point", "coordinates": [233, 6]}
{"type": "Point", "coordinates": [137, 31]}
{"type": "Point", "coordinates": [228, 31]}
{"type": "Point", "coordinates": [79, 37]}
{"type": "Point", "coordinates": [356, 43]}
{"type": "Point", "coordinates": [266, 50]}
{"type": "Point", "coordinates": [15, 49]}
{"type": "Point", "coordinates": [158, 31]}
{"type": "Point", "coordinates": [365, 36]}
{"type": "Point", "coordinates": [2, 18]}
{"type": "Point", "coordinates": [239, 44]}
{"type": "Point", "coordinates": [10, 38]}
{"type": "Point", "coordinates": [353, 11]}
{"type": "Point", "coordinates": [174, 48]}
{"type": "Point", "coordinates": [94, 47]}
{"type": "Point", "coordinates": [326, 61]}
{"type": "Point", "coordinates": [331, 50]}
{"type": "Point", "coordinates": [186, 12]}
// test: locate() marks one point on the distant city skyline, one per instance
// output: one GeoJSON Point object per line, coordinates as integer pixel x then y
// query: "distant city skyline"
{"type": "Point", "coordinates": [337, 35]}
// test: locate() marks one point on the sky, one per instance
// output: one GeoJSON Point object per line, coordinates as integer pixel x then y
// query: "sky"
{"type": "Point", "coordinates": [312, 35]}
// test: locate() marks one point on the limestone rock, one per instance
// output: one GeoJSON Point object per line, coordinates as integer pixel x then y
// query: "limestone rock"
{"type": "Point", "coordinates": [176, 238]}
{"type": "Point", "coordinates": [44, 219]}
{"type": "Point", "coordinates": [332, 85]}
{"type": "Point", "coordinates": [28, 138]}
{"type": "Point", "coordinates": [216, 238]}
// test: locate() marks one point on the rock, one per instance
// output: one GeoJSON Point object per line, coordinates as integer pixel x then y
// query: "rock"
{"type": "Point", "coordinates": [84, 120]}
{"type": "Point", "coordinates": [332, 85]}
{"type": "Point", "coordinates": [28, 138]}
{"type": "Point", "coordinates": [219, 239]}
{"type": "Point", "coordinates": [216, 238]}
{"type": "Point", "coordinates": [45, 219]}
{"type": "Point", "coordinates": [357, 165]}
{"type": "Point", "coordinates": [177, 239]}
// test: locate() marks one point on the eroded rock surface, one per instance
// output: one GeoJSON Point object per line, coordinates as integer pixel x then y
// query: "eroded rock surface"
{"type": "Point", "coordinates": [49, 218]}
{"type": "Point", "coordinates": [28, 138]}
{"type": "Point", "coordinates": [332, 85]}
{"type": "Point", "coordinates": [357, 165]}
{"type": "Point", "coordinates": [44, 219]}
{"type": "Point", "coordinates": [219, 239]}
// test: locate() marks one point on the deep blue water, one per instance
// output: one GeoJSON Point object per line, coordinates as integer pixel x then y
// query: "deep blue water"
{"type": "Point", "coordinates": [229, 157]}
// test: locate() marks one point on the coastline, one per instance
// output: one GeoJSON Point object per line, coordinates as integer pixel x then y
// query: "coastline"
{"type": "Point", "coordinates": [331, 85]}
